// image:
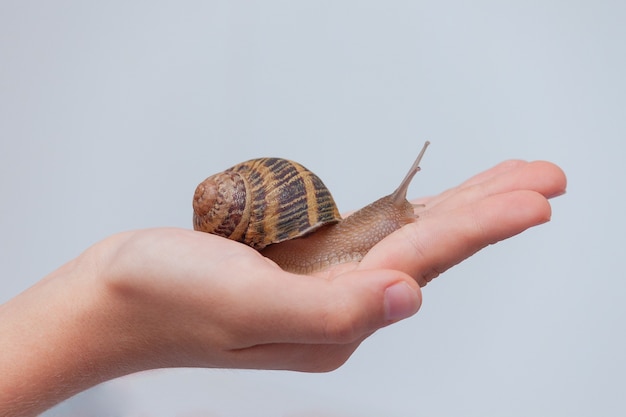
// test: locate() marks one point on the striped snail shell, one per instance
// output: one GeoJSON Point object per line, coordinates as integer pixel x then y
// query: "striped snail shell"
{"type": "Point", "coordinates": [286, 212]}
{"type": "Point", "coordinates": [263, 201]}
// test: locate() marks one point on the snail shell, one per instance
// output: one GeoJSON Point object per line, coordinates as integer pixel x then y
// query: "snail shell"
{"type": "Point", "coordinates": [263, 201]}
{"type": "Point", "coordinates": [286, 212]}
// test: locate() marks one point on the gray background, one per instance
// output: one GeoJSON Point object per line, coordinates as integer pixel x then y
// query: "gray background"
{"type": "Point", "coordinates": [111, 112]}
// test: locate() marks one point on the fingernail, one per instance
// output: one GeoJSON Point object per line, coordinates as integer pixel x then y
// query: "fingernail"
{"type": "Point", "coordinates": [557, 194]}
{"type": "Point", "coordinates": [401, 301]}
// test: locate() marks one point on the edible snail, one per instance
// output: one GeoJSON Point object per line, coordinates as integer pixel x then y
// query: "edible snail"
{"type": "Point", "coordinates": [286, 212]}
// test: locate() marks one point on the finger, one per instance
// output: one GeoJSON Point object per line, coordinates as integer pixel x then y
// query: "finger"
{"type": "Point", "coordinates": [432, 244]}
{"type": "Point", "coordinates": [543, 177]}
{"type": "Point", "coordinates": [496, 170]}
{"type": "Point", "coordinates": [540, 176]}
{"type": "Point", "coordinates": [288, 308]}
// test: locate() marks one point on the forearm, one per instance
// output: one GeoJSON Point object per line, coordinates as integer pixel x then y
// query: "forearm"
{"type": "Point", "coordinates": [56, 341]}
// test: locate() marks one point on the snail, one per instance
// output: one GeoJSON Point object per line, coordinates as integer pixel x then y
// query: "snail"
{"type": "Point", "coordinates": [285, 211]}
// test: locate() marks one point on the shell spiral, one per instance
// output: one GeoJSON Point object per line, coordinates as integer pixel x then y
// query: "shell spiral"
{"type": "Point", "coordinates": [263, 201]}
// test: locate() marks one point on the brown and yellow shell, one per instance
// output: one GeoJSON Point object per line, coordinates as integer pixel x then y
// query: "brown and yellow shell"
{"type": "Point", "coordinates": [263, 201]}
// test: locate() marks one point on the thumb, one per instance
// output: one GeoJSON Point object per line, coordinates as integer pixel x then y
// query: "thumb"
{"type": "Point", "coordinates": [388, 295]}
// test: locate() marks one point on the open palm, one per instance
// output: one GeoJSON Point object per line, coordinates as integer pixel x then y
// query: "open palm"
{"type": "Point", "coordinates": [261, 316]}
{"type": "Point", "coordinates": [177, 298]}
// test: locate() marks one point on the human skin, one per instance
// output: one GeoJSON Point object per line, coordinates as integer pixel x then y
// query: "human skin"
{"type": "Point", "coordinates": [167, 297]}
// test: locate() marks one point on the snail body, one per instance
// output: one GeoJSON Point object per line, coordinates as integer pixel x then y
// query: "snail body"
{"type": "Point", "coordinates": [286, 212]}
